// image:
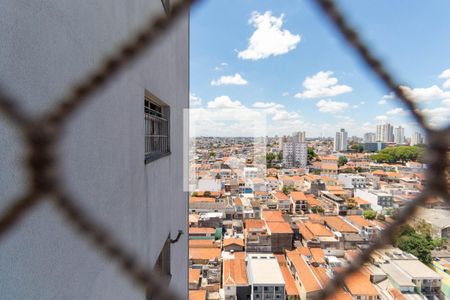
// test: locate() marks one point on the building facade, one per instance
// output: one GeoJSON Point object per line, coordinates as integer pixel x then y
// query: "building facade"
{"type": "Point", "coordinates": [295, 154]}
{"type": "Point", "coordinates": [385, 133]}
{"type": "Point", "coordinates": [399, 135]}
{"type": "Point", "coordinates": [341, 140]}
{"type": "Point", "coordinates": [416, 139]}
{"type": "Point", "coordinates": [119, 166]}
{"type": "Point", "coordinates": [369, 137]}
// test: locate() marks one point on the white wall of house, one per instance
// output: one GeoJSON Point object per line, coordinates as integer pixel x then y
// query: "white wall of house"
{"type": "Point", "coordinates": [46, 46]}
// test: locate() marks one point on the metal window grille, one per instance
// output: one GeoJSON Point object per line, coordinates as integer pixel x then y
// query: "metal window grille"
{"type": "Point", "coordinates": [42, 135]}
{"type": "Point", "coordinates": [156, 131]}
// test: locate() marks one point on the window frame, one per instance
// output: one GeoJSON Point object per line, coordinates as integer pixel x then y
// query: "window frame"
{"type": "Point", "coordinates": [156, 112]}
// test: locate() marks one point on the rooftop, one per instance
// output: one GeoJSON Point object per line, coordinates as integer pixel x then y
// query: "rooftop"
{"type": "Point", "coordinates": [234, 272]}
{"type": "Point", "coordinates": [264, 269]}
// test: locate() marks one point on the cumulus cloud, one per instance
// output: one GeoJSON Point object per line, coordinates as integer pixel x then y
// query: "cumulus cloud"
{"type": "Point", "coordinates": [385, 98]}
{"type": "Point", "coordinates": [322, 84]}
{"type": "Point", "coordinates": [445, 74]}
{"type": "Point", "coordinates": [224, 102]}
{"type": "Point", "coordinates": [194, 100]}
{"type": "Point", "coordinates": [396, 112]}
{"type": "Point", "coordinates": [426, 94]}
{"type": "Point", "coordinates": [329, 106]}
{"type": "Point", "coordinates": [438, 116]}
{"type": "Point", "coordinates": [226, 117]}
{"type": "Point", "coordinates": [235, 79]}
{"type": "Point", "coordinates": [267, 105]}
{"type": "Point", "coordinates": [269, 39]}
{"type": "Point", "coordinates": [446, 84]}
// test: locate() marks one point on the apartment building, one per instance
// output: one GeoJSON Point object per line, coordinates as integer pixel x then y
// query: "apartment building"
{"type": "Point", "coordinates": [352, 181]}
{"type": "Point", "coordinates": [399, 135]}
{"type": "Point", "coordinates": [295, 154]}
{"type": "Point", "coordinates": [385, 133]}
{"type": "Point", "coordinates": [341, 141]}
{"type": "Point", "coordinates": [378, 200]}
{"type": "Point", "coordinates": [265, 277]}
{"type": "Point", "coordinates": [122, 153]}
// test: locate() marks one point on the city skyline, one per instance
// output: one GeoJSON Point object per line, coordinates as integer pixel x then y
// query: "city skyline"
{"type": "Point", "coordinates": [296, 85]}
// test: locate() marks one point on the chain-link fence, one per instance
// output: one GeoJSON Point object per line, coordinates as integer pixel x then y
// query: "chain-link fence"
{"type": "Point", "coordinates": [42, 135]}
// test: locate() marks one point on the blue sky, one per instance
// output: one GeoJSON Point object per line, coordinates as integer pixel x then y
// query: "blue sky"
{"type": "Point", "coordinates": [282, 60]}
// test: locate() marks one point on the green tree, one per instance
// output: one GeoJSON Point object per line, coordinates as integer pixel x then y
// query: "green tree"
{"type": "Point", "coordinates": [439, 242]}
{"type": "Point", "coordinates": [207, 194]}
{"type": "Point", "coordinates": [317, 209]}
{"type": "Point", "coordinates": [369, 214]}
{"type": "Point", "coordinates": [399, 154]}
{"type": "Point", "coordinates": [424, 228]}
{"type": "Point", "coordinates": [357, 147]}
{"type": "Point", "coordinates": [342, 160]}
{"type": "Point", "coordinates": [194, 194]}
{"type": "Point", "coordinates": [287, 189]}
{"type": "Point", "coordinates": [416, 244]}
{"type": "Point", "coordinates": [311, 154]}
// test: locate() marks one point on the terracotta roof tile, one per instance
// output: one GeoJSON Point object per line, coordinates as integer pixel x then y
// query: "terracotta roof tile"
{"type": "Point", "coordinates": [279, 227]}
{"type": "Point", "coordinates": [272, 216]}
{"type": "Point", "coordinates": [204, 253]}
{"type": "Point", "coordinates": [234, 272]}
{"type": "Point", "coordinates": [197, 295]}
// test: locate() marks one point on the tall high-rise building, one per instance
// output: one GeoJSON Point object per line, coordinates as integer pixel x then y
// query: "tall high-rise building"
{"type": "Point", "coordinates": [299, 137]}
{"type": "Point", "coordinates": [399, 135]}
{"type": "Point", "coordinates": [416, 139]}
{"type": "Point", "coordinates": [123, 155]}
{"type": "Point", "coordinates": [295, 154]}
{"type": "Point", "coordinates": [341, 140]}
{"type": "Point", "coordinates": [385, 133]}
{"type": "Point", "coordinates": [369, 137]}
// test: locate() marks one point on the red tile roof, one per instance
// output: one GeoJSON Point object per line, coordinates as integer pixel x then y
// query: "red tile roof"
{"type": "Point", "coordinates": [339, 224]}
{"type": "Point", "coordinates": [272, 216]}
{"type": "Point", "coordinates": [298, 196]}
{"type": "Point", "coordinates": [279, 227]}
{"type": "Point", "coordinates": [234, 272]}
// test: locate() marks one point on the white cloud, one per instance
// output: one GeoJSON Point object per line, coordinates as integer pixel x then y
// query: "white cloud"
{"type": "Point", "coordinates": [446, 84]}
{"type": "Point", "coordinates": [321, 85]}
{"type": "Point", "coordinates": [285, 94]}
{"type": "Point", "coordinates": [269, 38]}
{"type": "Point", "coordinates": [396, 112]}
{"type": "Point", "coordinates": [438, 116]}
{"type": "Point", "coordinates": [235, 79]}
{"type": "Point", "coordinates": [381, 118]}
{"type": "Point", "coordinates": [224, 102]}
{"type": "Point", "coordinates": [426, 94]}
{"type": "Point", "coordinates": [329, 106]}
{"type": "Point", "coordinates": [194, 100]}
{"type": "Point", "coordinates": [445, 74]}
{"type": "Point", "coordinates": [267, 105]}
{"type": "Point", "coordinates": [226, 117]}
{"type": "Point", "coordinates": [221, 66]}
{"type": "Point", "coordinates": [385, 98]}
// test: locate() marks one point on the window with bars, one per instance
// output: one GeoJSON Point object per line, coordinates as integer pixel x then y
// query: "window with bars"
{"type": "Point", "coordinates": [162, 266]}
{"type": "Point", "coordinates": [157, 138]}
{"type": "Point", "coordinates": [166, 5]}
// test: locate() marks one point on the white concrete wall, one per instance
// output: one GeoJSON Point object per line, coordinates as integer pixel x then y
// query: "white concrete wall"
{"type": "Point", "coordinates": [45, 47]}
